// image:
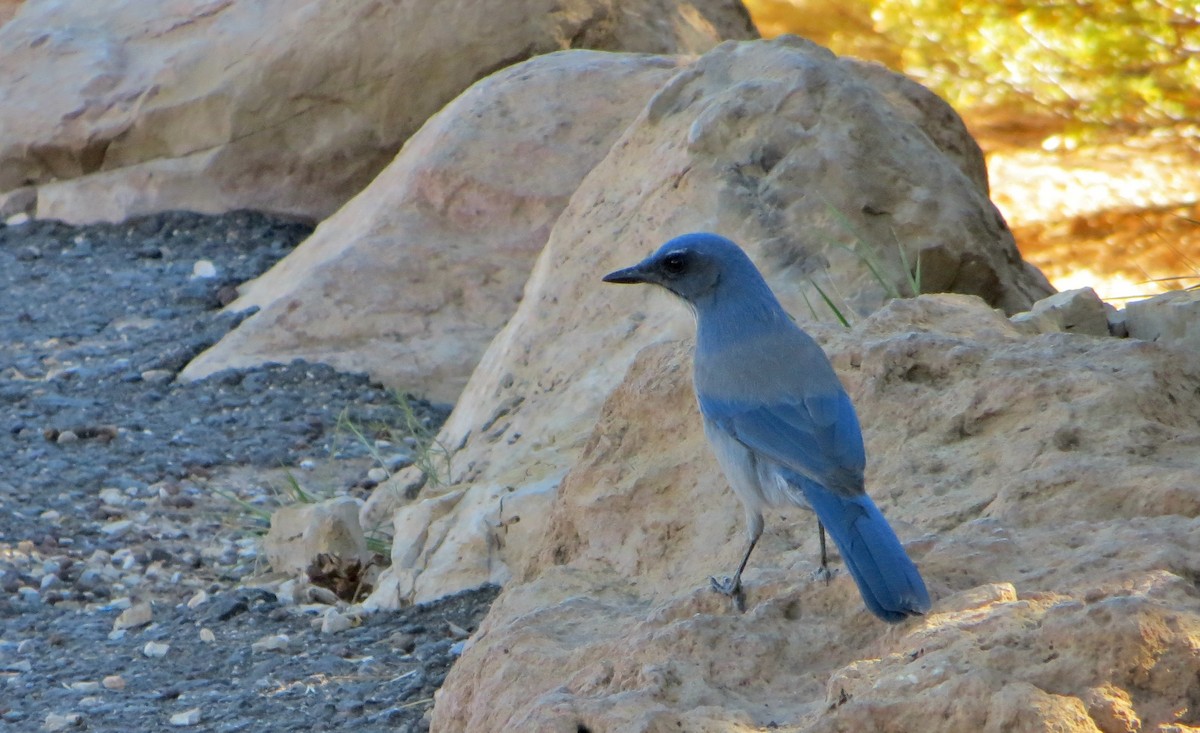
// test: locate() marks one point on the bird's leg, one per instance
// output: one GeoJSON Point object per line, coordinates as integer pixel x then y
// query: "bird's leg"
{"type": "Point", "coordinates": [732, 587]}
{"type": "Point", "coordinates": [823, 572]}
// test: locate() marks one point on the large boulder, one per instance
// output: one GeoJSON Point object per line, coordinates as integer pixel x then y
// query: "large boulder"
{"type": "Point", "coordinates": [127, 107]}
{"type": "Point", "coordinates": [826, 169]}
{"type": "Point", "coordinates": [1044, 485]}
{"type": "Point", "coordinates": [412, 278]}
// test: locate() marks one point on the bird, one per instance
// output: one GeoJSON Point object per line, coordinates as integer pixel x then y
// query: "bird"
{"type": "Point", "coordinates": [779, 422]}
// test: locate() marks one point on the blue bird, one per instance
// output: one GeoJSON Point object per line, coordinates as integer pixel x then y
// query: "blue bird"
{"type": "Point", "coordinates": [780, 423]}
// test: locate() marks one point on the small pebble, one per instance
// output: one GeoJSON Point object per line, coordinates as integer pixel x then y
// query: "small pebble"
{"type": "Point", "coordinates": [308, 464]}
{"type": "Point", "coordinates": [207, 636]}
{"type": "Point", "coordinates": [117, 528]}
{"type": "Point", "coordinates": [397, 461]}
{"type": "Point", "coordinates": [113, 682]}
{"type": "Point", "coordinates": [333, 622]}
{"type": "Point", "coordinates": [114, 497]}
{"type": "Point", "coordinates": [136, 615]}
{"type": "Point", "coordinates": [17, 219]}
{"type": "Point", "coordinates": [85, 686]}
{"type": "Point", "coordinates": [197, 600]}
{"type": "Point", "coordinates": [51, 515]}
{"type": "Point", "coordinates": [61, 721]}
{"type": "Point", "coordinates": [155, 649]}
{"type": "Point", "coordinates": [319, 594]}
{"type": "Point", "coordinates": [187, 717]}
{"type": "Point", "coordinates": [271, 643]}
{"type": "Point", "coordinates": [378, 475]}
{"type": "Point", "coordinates": [204, 270]}
{"type": "Point", "coordinates": [66, 436]}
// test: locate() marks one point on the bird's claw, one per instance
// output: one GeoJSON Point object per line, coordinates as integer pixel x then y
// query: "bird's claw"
{"type": "Point", "coordinates": [733, 589]}
{"type": "Point", "coordinates": [823, 573]}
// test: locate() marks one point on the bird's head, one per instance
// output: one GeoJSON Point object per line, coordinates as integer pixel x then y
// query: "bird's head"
{"type": "Point", "coordinates": [696, 267]}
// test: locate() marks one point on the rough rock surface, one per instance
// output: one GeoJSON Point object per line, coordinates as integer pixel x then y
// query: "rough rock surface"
{"type": "Point", "coordinates": [301, 533]}
{"type": "Point", "coordinates": [1071, 311]}
{"type": "Point", "coordinates": [1045, 486]}
{"type": "Point", "coordinates": [1170, 318]}
{"type": "Point", "coordinates": [412, 279]}
{"type": "Point", "coordinates": [124, 108]}
{"type": "Point", "coordinates": [781, 146]}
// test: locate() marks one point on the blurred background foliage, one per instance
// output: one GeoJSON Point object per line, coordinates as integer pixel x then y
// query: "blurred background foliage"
{"type": "Point", "coordinates": [1022, 67]}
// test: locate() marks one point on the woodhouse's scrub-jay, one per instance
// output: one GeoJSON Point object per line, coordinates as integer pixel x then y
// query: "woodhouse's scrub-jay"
{"type": "Point", "coordinates": [780, 423]}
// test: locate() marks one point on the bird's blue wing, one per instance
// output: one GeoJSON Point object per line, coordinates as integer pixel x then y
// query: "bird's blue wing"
{"type": "Point", "coordinates": [817, 436]}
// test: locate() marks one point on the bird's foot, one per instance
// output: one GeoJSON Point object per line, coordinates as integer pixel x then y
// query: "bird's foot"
{"type": "Point", "coordinates": [823, 573]}
{"type": "Point", "coordinates": [731, 587]}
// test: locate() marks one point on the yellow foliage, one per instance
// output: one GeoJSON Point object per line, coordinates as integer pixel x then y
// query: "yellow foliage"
{"type": "Point", "coordinates": [1106, 63]}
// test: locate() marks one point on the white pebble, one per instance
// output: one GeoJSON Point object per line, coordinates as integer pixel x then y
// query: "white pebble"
{"type": "Point", "coordinates": [66, 436]}
{"type": "Point", "coordinates": [114, 497]}
{"type": "Point", "coordinates": [308, 464]}
{"type": "Point", "coordinates": [17, 220]}
{"type": "Point", "coordinates": [156, 649]}
{"type": "Point", "coordinates": [61, 721]}
{"type": "Point", "coordinates": [51, 515]}
{"type": "Point", "coordinates": [272, 643]}
{"type": "Point", "coordinates": [207, 636]}
{"type": "Point", "coordinates": [204, 270]}
{"type": "Point", "coordinates": [187, 717]}
{"type": "Point", "coordinates": [199, 599]}
{"type": "Point", "coordinates": [333, 622]}
{"type": "Point", "coordinates": [117, 528]}
{"type": "Point", "coordinates": [85, 686]}
{"type": "Point", "coordinates": [378, 475]}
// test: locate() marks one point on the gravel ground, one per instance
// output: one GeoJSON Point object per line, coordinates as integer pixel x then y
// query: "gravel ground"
{"type": "Point", "coordinates": [132, 596]}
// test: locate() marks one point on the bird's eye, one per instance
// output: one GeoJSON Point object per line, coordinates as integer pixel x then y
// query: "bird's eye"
{"type": "Point", "coordinates": [673, 264]}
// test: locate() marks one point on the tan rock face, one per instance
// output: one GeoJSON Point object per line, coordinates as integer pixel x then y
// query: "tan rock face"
{"type": "Point", "coordinates": [1044, 485]}
{"type": "Point", "coordinates": [123, 108]}
{"type": "Point", "coordinates": [782, 147]}
{"type": "Point", "coordinates": [412, 279]}
{"type": "Point", "coordinates": [301, 532]}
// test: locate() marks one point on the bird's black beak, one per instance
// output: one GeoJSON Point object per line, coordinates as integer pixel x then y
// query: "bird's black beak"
{"type": "Point", "coordinates": [635, 274]}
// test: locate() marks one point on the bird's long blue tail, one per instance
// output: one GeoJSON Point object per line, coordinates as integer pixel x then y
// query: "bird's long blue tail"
{"type": "Point", "coordinates": [889, 582]}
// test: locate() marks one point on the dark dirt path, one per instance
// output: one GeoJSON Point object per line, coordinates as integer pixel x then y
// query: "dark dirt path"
{"type": "Point", "coordinates": [122, 492]}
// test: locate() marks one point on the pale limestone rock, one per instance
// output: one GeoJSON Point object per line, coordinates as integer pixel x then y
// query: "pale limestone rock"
{"type": "Point", "coordinates": [139, 614]}
{"type": "Point", "coordinates": [301, 532]}
{"type": "Point", "coordinates": [1071, 311]}
{"type": "Point", "coordinates": [1171, 318]}
{"type": "Point", "coordinates": [412, 278]}
{"type": "Point", "coordinates": [1045, 486]}
{"type": "Point", "coordinates": [127, 107]}
{"type": "Point", "coordinates": [779, 145]}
